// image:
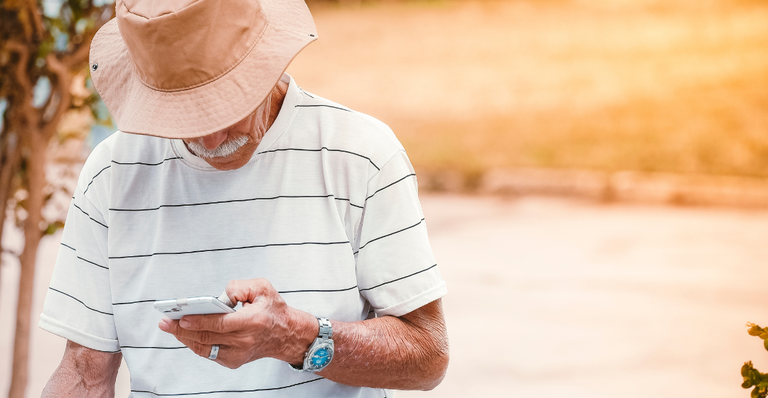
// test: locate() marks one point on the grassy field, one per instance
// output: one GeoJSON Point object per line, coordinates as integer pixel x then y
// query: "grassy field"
{"type": "Point", "coordinates": [675, 86]}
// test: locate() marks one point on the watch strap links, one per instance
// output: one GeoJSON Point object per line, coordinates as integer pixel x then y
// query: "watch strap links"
{"type": "Point", "coordinates": [326, 331]}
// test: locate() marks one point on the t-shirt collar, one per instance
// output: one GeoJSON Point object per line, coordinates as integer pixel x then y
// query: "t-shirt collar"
{"type": "Point", "coordinates": [282, 121]}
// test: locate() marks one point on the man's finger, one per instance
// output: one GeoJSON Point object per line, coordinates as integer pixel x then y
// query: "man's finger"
{"type": "Point", "coordinates": [248, 290]}
{"type": "Point", "coordinates": [201, 337]}
{"type": "Point", "coordinates": [203, 350]}
{"type": "Point", "coordinates": [217, 323]}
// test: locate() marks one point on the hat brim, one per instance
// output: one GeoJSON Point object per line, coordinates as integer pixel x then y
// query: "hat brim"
{"type": "Point", "coordinates": [220, 103]}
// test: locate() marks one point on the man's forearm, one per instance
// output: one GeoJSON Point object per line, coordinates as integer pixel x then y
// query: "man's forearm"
{"type": "Point", "coordinates": [83, 372]}
{"type": "Point", "coordinates": [407, 352]}
{"type": "Point", "coordinates": [404, 353]}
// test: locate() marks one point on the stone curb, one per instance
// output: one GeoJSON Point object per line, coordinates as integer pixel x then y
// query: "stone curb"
{"type": "Point", "coordinates": [623, 186]}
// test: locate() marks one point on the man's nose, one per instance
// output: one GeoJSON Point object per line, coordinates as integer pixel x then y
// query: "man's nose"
{"type": "Point", "coordinates": [212, 141]}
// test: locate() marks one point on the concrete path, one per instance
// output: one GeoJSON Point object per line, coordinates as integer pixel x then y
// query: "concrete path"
{"type": "Point", "coordinates": [556, 297]}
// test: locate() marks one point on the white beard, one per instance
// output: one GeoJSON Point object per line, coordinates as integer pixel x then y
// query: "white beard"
{"type": "Point", "coordinates": [226, 148]}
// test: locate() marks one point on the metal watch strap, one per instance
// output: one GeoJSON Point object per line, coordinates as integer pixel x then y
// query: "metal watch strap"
{"type": "Point", "coordinates": [326, 331]}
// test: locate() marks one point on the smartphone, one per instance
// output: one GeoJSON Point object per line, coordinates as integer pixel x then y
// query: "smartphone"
{"type": "Point", "coordinates": [175, 309]}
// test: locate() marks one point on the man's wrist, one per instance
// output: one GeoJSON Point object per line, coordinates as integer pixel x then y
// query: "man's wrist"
{"type": "Point", "coordinates": [305, 330]}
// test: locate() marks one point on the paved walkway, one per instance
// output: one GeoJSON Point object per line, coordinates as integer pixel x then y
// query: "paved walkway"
{"type": "Point", "coordinates": [556, 297]}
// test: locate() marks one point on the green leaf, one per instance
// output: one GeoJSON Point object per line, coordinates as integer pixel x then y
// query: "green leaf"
{"type": "Point", "coordinates": [755, 330]}
{"type": "Point", "coordinates": [53, 227]}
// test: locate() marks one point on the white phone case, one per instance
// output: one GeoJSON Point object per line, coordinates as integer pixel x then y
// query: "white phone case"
{"type": "Point", "coordinates": [175, 309]}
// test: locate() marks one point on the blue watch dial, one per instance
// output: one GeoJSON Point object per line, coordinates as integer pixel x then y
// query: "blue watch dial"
{"type": "Point", "coordinates": [321, 357]}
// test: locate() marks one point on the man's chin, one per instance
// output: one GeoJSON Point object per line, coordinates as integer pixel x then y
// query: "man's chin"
{"type": "Point", "coordinates": [233, 161]}
{"type": "Point", "coordinates": [226, 163]}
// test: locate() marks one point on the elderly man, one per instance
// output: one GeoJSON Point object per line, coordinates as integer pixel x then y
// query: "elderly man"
{"type": "Point", "coordinates": [226, 174]}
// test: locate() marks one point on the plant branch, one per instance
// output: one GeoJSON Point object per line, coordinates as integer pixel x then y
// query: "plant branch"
{"type": "Point", "coordinates": [36, 17]}
{"type": "Point", "coordinates": [63, 83]}
{"type": "Point", "coordinates": [21, 67]}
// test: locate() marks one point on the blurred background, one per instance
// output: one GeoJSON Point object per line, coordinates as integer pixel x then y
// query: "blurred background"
{"type": "Point", "coordinates": [594, 175]}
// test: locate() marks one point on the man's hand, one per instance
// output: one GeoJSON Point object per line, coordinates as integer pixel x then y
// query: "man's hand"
{"type": "Point", "coordinates": [406, 353]}
{"type": "Point", "coordinates": [265, 327]}
{"type": "Point", "coordinates": [84, 372]}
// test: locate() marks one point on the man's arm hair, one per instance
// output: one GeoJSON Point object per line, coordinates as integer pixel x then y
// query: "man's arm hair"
{"type": "Point", "coordinates": [84, 372]}
{"type": "Point", "coordinates": [406, 353]}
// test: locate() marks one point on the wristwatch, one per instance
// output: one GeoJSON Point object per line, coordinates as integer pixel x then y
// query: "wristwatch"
{"type": "Point", "coordinates": [320, 353]}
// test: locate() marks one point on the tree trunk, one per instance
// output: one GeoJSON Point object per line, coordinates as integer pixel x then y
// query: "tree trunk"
{"type": "Point", "coordinates": [32, 236]}
{"type": "Point", "coordinates": [7, 169]}
{"type": "Point", "coordinates": [22, 39]}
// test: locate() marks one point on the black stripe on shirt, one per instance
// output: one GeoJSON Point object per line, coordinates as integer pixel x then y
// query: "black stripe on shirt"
{"type": "Point", "coordinates": [89, 216]}
{"type": "Point", "coordinates": [322, 106]}
{"type": "Point", "coordinates": [381, 189]}
{"type": "Point", "coordinates": [80, 258]}
{"type": "Point", "coordinates": [317, 290]}
{"type": "Point", "coordinates": [146, 164]}
{"type": "Point", "coordinates": [319, 150]}
{"type": "Point", "coordinates": [226, 249]}
{"type": "Point", "coordinates": [94, 177]}
{"type": "Point", "coordinates": [224, 391]}
{"type": "Point", "coordinates": [152, 348]}
{"type": "Point", "coordinates": [389, 234]}
{"type": "Point", "coordinates": [134, 302]}
{"type": "Point", "coordinates": [280, 291]}
{"type": "Point", "coordinates": [217, 202]}
{"type": "Point", "coordinates": [399, 279]}
{"type": "Point", "coordinates": [350, 202]}
{"type": "Point", "coordinates": [306, 93]}
{"type": "Point", "coordinates": [127, 164]}
{"type": "Point", "coordinates": [79, 301]}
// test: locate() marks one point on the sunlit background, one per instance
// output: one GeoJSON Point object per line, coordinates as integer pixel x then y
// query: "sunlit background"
{"type": "Point", "coordinates": [594, 175]}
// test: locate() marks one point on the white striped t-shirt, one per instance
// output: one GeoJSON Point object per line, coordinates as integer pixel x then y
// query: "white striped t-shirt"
{"type": "Point", "coordinates": [326, 210]}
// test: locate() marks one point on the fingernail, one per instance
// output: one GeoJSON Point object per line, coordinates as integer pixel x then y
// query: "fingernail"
{"type": "Point", "coordinates": [184, 323]}
{"type": "Point", "coordinates": [163, 325]}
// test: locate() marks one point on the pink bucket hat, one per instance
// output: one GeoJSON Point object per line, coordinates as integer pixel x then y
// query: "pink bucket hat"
{"type": "Point", "coordinates": [188, 68]}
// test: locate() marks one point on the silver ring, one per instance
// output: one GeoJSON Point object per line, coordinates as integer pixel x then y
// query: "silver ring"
{"type": "Point", "coordinates": [214, 352]}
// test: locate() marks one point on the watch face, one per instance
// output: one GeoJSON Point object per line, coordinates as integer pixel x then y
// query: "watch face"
{"type": "Point", "coordinates": [321, 357]}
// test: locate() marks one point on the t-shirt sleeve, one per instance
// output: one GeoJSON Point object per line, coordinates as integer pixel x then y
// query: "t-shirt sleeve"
{"type": "Point", "coordinates": [78, 304]}
{"type": "Point", "coordinates": [396, 270]}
